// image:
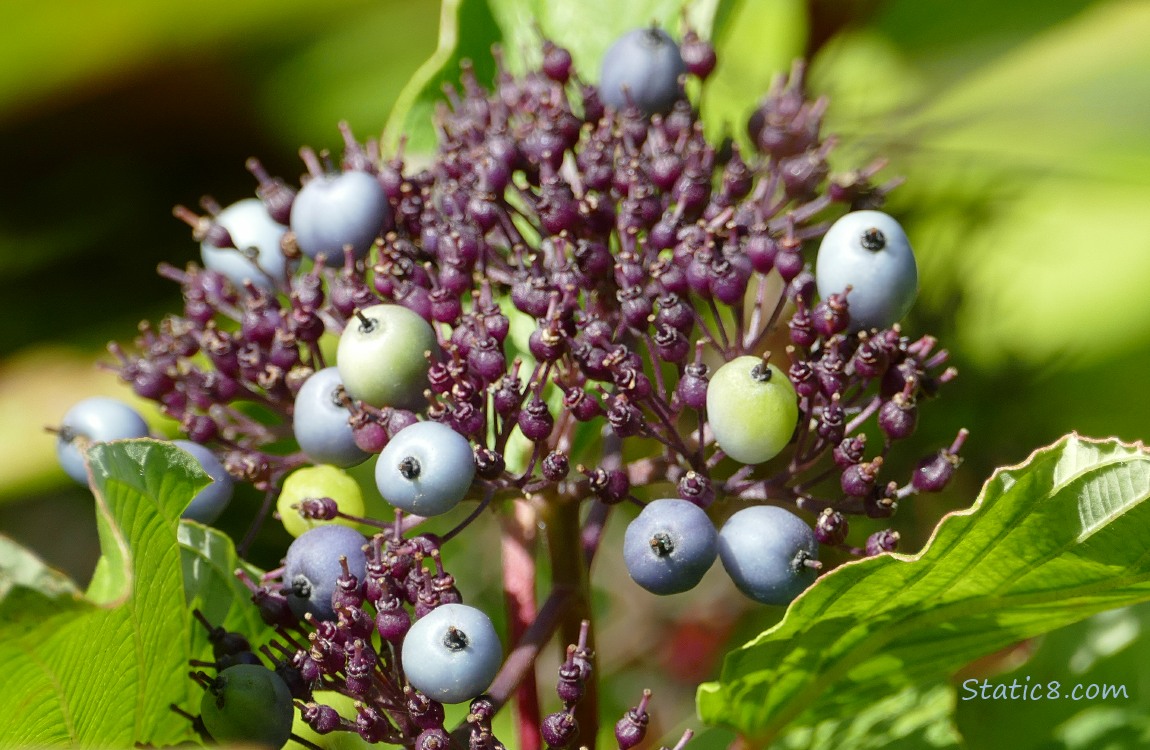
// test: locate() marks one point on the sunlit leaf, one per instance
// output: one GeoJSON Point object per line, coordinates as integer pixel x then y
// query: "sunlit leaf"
{"type": "Point", "coordinates": [1048, 543]}
{"type": "Point", "coordinates": [104, 674]}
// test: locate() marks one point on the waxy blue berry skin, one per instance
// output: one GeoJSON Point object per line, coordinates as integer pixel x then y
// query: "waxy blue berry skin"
{"type": "Point", "coordinates": [869, 252]}
{"type": "Point", "coordinates": [669, 546]}
{"type": "Point", "coordinates": [320, 423]}
{"type": "Point", "coordinates": [426, 469]}
{"type": "Point", "coordinates": [311, 567]}
{"type": "Point", "coordinates": [452, 653]}
{"type": "Point", "coordinates": [330, 211]}
{"type": "Point", "coordinates": [96, 420]}
{"type": "Point", "coordinates": [763, 549]}
{"type": "Point", "coordinates": [642, 67]}
{"type": "Point", "coordinates": [251, 229]}
{"type": "Point", "coordinates": [211, 501]}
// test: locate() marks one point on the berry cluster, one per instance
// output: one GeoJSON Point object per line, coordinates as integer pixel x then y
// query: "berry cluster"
{"type": "Point", "coordinates": [579, 301]}
{"type": "Point", "coordinates": [385, 629]}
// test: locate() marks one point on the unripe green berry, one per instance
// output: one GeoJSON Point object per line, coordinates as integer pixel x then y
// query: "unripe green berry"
{"type": "Point", "coordinates": [318, 481]}
{"type": "Point", "coordinates": [752, 409]}
{"type": "Point", "coordinates": [248, 704]}
{"type": "Point", "coordinates": [381, 356]}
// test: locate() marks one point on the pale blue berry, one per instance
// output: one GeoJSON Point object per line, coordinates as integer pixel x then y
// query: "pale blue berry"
{"type": "Point", "coordinates": [211, 501]}
{"type": "Point", "coordinates": [869, 252]}
{"type": "Point", "coordinates": [334, 210]}
{"type": "Point", "coordinates": [426, 469]}
{"type": "Point", "coordinates": [642, 68]}
{"type": "Point", "coordinates": [320, 421]}
{"type": "Point", "coordinates": [669, 546]}
{"type": "Point", "coordinates": [312, 567]}
{"type": "Point", "coordinates": [257, 256]}
{"type": "Point", "coordinates": [768, 552]}
{"type": "Point", "coordinates": [94, 420]}
{"type": "Point", "coordinates": [452, 653]}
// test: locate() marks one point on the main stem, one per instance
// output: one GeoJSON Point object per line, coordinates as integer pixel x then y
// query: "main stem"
{"type": "Point", "coordinates": [569, 571]}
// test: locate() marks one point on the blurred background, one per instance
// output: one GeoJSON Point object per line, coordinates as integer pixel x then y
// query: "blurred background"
{"type": "Point", "coordinates": [1022, 129]}
{"type": "Point", "coordinates": [113, 112]}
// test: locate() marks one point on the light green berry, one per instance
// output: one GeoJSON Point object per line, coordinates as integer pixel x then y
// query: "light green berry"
{"type": "Point", "coordinates": [752, 409]}
{"type": "Point", "coordinates": [318, 481]}
{"type": "Point", "coordinates": [381, 357]}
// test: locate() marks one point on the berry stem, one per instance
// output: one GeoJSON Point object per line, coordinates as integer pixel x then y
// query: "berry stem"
{"type": "Point", "coordinates": [519, 595]}
{"type": "Point", "coordinates": [522, 658]}
{"type": "Point", "coordinates": [565, 546]}
{"type": "Point", "coordinates": [305, 742]}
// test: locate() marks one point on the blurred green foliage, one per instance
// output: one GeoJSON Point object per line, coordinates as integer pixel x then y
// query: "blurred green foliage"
{"type": "Point", "coordinates": [110, 113]}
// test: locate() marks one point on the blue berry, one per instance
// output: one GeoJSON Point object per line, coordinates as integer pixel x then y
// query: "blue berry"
{"type": "Point", "coordinates": [869, 252]}
{"type": "Point", "coordinates": [767, 551]}
{"type": "Point", "coordinates": [320, 422]}
{"type": "Point", "coordinates": [381, 356]}
{"type": "Point", "coordinates": [642, 68]}
{"type": "Point", "coordinates": [312, 567]}
{"type": "Point", "coordinates": [426, 469]}
{"type": "Point", "coordinates": [334, 210]}
{"type": "Point", "coordinates": [257, 255]}
{"type": "Point", "coordinates": [248, 704]}
{"type": "Point", "coordinates": [211, 501]}
{"type": "Point", "coordinates": [452, 653]}
{"type": "Point", "coordinates": [94, 420]}
{"type": "Point", "coordinates": [753, 409]}
{"type": "Point", "coordinates": [669, 546]}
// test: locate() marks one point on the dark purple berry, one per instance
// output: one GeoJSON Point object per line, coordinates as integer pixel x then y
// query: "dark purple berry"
{"type": "Point", "coordinates": [898, 417]}
{"type": "Point", "coordinates": [831, 527]}
{"type": "Point", "coordinates": [555, 466]}
{"type": "Point", "coordinates": [535, 420]}
{"type": "Point", "coordinates": [559, 730]}
{"type": "Point", "coordinates": [859, 479]}
{"type": "Point", "coordinates": [882, 541]}
{"type": "Point", "coordinates": [632, 728]}
{"type": "Point", "coordinates": [933, 473]}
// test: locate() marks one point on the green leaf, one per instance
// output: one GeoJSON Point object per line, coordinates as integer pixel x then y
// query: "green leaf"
{"type": "Point", "coordinates": [21, 569]}
{"type": "Point", "coordinates": [469, 28]}
{"type": "Point", "coordinates": [1047, 543]}
{"type": "Point", "coordinates": [754, 42]}
{"type": "Point", "coordinates": [104, 673]}
{"type": "Point", "coordinates": [209, 562]}
{"type": "Point", "coordinates": [912, 719]}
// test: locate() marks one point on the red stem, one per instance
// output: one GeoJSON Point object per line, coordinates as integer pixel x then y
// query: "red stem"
{"type": "Point", "coordinates": [519, 595]}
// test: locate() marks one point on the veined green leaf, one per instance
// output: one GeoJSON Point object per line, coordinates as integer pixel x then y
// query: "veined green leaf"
{"type": "Point", "coordinates": [209, 561]}
{"type": "Point", "coordinates": [104, 672]}
{"type": "Point", "coordinates": [911, 719]}
{"type": "Point", "coordinates": [1047, 543]}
